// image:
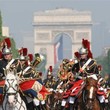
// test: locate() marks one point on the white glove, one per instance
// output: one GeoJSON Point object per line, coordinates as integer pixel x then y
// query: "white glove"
{"type": "Point", "coordinates": [106, 100]}
{"type": "Point", "coordinates": [60, 91]}
{"type": "Point", "coordinates": [51, 89]}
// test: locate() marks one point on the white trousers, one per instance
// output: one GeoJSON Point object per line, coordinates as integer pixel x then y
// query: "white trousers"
{"type": "Point", "coordinates": [101, 99]}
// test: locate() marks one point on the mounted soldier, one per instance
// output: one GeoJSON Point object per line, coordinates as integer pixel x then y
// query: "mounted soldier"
{"type": "Point", "coordinates": [65, 77]}
{"type": "Point", "coordinates": [7, 60]}
{"type": "Point", "coordinates": [30, 74]}
{"type": "Point", "coordinates": [84, 66]}
{"type": "Point", "coordinates": [49, 81]}
{"type": "Point", "coordinates": [28, 70]}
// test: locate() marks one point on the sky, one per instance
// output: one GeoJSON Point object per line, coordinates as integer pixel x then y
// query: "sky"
{"type": "Point", "coordinates": [18, 16]}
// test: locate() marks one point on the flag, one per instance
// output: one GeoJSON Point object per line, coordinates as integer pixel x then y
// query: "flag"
{"type": "Point", "coordinates": [58, 50]}
{"type": "Point", "coordinates": [34, 88]}
{"type": "Point", "coordinates": [2, 84]}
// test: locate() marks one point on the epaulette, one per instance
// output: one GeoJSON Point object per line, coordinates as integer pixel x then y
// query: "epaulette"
{"type": "Point", "coordinates": [94, 63]}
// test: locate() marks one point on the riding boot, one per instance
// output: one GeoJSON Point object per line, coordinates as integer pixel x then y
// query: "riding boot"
{"type": "Point", "coordinates": [37, 108]}
{"type": "Point", "coordinates": [63, 108]}
{"type": "Point", "coordinates": [71, 106]}
{"type": "Point", "coordinates": [43, 107]}
{"type": "Point", "coordinates": [106, 106]}
{"type": "Point", "coordinates": [102, 106]}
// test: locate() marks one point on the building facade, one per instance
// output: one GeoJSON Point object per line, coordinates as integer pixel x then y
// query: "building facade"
{"type": "Point", "coordinates": [49, 25]}
{"type": "Point", "coordinates": [5, 31]}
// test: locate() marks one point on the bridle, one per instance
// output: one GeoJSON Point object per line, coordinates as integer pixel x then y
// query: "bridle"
{"type": "Point", "coordinates": [15, 93]}
{"type": "Point", "coordinates": [91, 96]}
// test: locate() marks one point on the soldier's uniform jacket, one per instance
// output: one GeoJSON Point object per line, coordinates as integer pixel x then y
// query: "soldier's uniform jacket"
{"type": "Point", "coordinates": [91, 68]}
{"type": "Point", "coordinates": [49, 83]}
{"type": "Point", "coordinates": [27, 71]}
{"type": "Point", "coordinates": [4, 63]}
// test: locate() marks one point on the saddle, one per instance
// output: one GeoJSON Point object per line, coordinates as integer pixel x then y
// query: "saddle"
{"type": "Point", "coordinates": [75, 89]}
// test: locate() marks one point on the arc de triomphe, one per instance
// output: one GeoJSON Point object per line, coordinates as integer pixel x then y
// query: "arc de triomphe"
{"type": "Point", "coordinates": [50, 24]}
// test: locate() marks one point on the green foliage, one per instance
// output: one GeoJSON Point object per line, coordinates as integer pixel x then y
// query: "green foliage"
{"type": "Point", "coordinates": [0, 24]}
{"type": "Point", "coordinates": [14, 50]}
{"type": "Point", "coordinates": [13, 46]}
{"type": "Point", "coordinates": [108, 58]}
{"type": "Point", "coordinates": [104, 61]}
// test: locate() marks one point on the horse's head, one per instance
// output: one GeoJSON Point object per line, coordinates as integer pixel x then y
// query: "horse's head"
{"type": "Point", "coordinates": [91, 91]}
{"type": "Point", "coordinates": [11, 86]}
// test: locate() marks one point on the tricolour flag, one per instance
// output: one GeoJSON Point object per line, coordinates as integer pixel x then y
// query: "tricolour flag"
{"type": "Point", "coordinates": [34, 88]}
{"type": "Point", "coordinates": [2, 84]}
{"type": "Point", "coordinates": [58, 50]}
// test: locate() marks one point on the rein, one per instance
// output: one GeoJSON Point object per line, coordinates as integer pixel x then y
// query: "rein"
{"type": "Point", "coordinates": [18, 102]}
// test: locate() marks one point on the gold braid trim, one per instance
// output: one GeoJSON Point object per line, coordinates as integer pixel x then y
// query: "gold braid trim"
{"type": "Point", "coordinates": [93, 64]}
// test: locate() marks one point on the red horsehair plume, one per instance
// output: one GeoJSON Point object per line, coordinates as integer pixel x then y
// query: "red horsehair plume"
{"type": "Point", "coordinates": [50, 68]}
{"type": "Point", "coordinates": [30, 56]}
{"type": "Point", "coordinates": [7, 42]}
{"type": "Point", "coordinates": [0, 54]}
{"type": "Point", "coordinates": [23, 51]}
{"type": "Point", "coordinates": [20, 51]}
{"type": "Point", "coordinates": [86, 44]}
{"type": "Point", "coordinates": [77, 55]}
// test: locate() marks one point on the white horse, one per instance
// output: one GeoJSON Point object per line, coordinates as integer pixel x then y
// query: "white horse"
{"type": "Point", "coordinates": [12, 99]}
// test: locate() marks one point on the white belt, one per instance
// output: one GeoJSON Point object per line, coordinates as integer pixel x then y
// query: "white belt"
{"type": "Point", "coordinates": [26, 70]}
{"type": "Point", "coordinates": [86, 64]}
{"type": "Point", "coordinates": [9, 64]}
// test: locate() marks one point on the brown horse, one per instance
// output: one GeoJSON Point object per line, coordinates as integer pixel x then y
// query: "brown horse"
{"type": "Point", "coordinates": [88, 99]}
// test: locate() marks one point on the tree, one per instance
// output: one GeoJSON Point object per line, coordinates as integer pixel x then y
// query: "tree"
{"type": "Point", "coordinates": [108, 54]}
{"type": "Point", "coordinates": [13, 45]}
{"type": "Point", "coordinates": [103, 61]}
{"type": "Point", "coordinates": [0, 24]}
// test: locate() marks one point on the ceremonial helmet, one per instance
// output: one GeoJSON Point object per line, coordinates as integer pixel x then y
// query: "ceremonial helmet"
{"type": "Point", "coordinates": [7, 47]}
{"type": "Point", "coordinates": [6, 51]}
{"type": "Point", "coordinates": [22, 58]}
{"type": "Point", "coordinates": [23, 54]}
{"type": "Point", "coordinates": [30, 58]}
{"type": "Point", "coordinates": [49, 71]}
{"type": "Point", "coordinates": [83, 50]}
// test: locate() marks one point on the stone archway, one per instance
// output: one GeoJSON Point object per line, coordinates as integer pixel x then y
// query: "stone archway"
{"type": "Point", "coordinates": [50, 24]}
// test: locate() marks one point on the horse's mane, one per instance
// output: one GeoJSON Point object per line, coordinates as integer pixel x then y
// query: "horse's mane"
{"type": "Point", "coordinates": [91, 81]}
